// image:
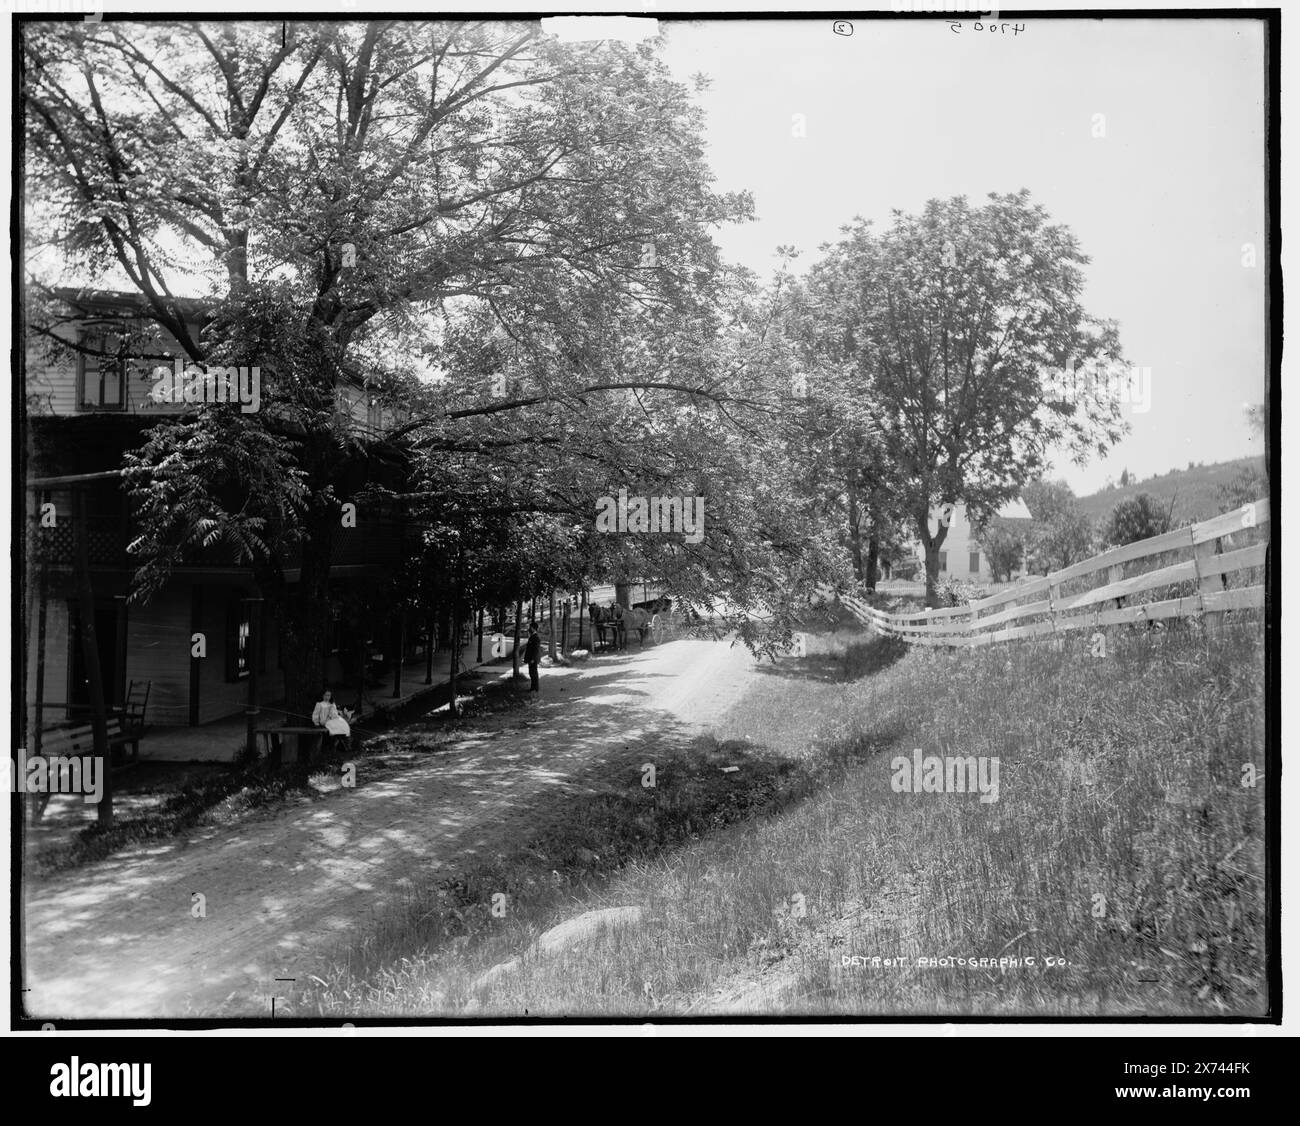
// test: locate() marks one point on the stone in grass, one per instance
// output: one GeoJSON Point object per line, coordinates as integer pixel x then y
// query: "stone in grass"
{"type": "Point", "coordinates": [325, 783]}
{"type": "Point", "coordinates": [579, 654]}
{"type": "Point", "coordinates": [573, 932]}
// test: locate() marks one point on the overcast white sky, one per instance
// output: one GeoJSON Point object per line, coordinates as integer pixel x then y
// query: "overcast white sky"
{"type": "Point", "coordinates": [903, 111]}
{"type": "Point", "coordinates": [906, 110]}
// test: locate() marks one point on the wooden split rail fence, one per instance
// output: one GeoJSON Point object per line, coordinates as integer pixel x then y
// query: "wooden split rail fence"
{"type": "Point", "coordinates": [1224, 570]}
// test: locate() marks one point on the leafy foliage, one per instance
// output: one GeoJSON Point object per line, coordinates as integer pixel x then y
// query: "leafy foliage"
{"type": "Point", "coordinates": [1005, 548]}
{"type": "Point", "coordinates": [1062, 534]}
{"type": "Point", "coordinates": [952, 323]}
{"type": "Point", "coordinates": [1136, 518]}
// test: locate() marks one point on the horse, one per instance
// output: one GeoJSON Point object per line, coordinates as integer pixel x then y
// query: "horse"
{"type": "Point", "coordinates": [606, 620]}
{"type": "Point", "coordinates": [615, 619]}
{"type": "Point", "coordinates": [639, 619]}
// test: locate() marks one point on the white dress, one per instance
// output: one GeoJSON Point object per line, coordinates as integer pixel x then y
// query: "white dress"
{"type": "Point", "coordinates": [327, 716]}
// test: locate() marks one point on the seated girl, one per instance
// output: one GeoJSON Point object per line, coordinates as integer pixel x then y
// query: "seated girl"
{"type": "Point", "coordinates": [326, 714]}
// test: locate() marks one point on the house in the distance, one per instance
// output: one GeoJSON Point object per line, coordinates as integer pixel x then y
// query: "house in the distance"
{"type": "Point", "coordinates": [961, 556]}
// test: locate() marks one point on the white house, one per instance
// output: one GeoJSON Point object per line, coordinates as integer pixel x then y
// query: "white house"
{"type": "Point", "coordinates": [961, 556]}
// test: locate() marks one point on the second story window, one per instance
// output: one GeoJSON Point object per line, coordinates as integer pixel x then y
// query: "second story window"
{"type": "Point", "coordinates": [101, 373]}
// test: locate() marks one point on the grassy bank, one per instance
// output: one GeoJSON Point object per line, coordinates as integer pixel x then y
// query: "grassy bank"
{"type": "Point", "coordinates": [1122, 844]}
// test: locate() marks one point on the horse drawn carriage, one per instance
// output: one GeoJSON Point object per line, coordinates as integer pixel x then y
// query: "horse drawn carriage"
{"type": "Point", "coordinates": [611, 624]}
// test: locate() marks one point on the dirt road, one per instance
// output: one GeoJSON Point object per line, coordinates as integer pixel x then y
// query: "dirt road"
{"type": "Point", "coordinates": [120, 938]}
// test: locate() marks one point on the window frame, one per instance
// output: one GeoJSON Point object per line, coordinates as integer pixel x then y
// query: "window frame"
{"type": "Point", "coordinates": [97, 339]}
{"type": "Point", "coordinates": [238, 620]}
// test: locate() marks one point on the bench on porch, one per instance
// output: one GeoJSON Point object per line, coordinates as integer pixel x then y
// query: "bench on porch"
{"type": "Point", "coordinates": [80, 740]}
{"type": "Point", "coordinates": [125, 725]}
{"type": "Point", "coordinates": [269, 740]}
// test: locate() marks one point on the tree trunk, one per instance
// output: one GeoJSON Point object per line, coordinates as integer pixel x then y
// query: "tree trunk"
{"type": "Point", "coordinates": [428, 648]}
{"type": "Point", "coordinates": [252, 711]}
{"type": "Point", "coordinates": [514, 654]}
{"type": "Point", "coordinates": [90, 656]}
{"type": "Point", "coordinates": [931, 543]}
{"type": "Point", "coordinates": [397, 636]}
{"type": "Point", "coordinates": [362, 656]}
{"type": "Point", "coordinates": [306, 624]}
{"type": "Point", "coordinates": [582, 614]}
{"type": "Point", "coordinates": [855, 534]}
{"type": "Point", "coordinates": [38, 720]}
{"type": "Point", "coordinates": [442, 626]}
{"type": "Point", "coordinates": [550, 644]}
{"type": "Point", "coordinates": [931, 575]}
{"type": "Point", "coordinates": [873, 556]}
{"type": "Point", "coordinates": [455, 653]}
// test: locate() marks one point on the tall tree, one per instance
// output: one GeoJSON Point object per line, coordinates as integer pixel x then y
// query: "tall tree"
{"type": "Point", "coordinates": [957, 324]}
{"type": "Point", "coordinates": [1061, 533]}
{"type": "Point", "coordinates": [337, 187]}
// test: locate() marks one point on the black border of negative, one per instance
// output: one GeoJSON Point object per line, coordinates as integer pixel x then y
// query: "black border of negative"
{"type": "Point", "coordinates": [1273, 674]}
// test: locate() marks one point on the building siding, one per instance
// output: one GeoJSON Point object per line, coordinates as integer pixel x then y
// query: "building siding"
{"type": "Point", "coordinates": [51, 380]}
{"type": "Point", "coordinates": [958, 548]}
{"type": "Point", "coordinates": [158, 650]}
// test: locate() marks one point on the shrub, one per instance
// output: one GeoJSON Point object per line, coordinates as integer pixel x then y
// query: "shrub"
{"type": "Point", "coordinates": [1136, 518]}
{"type": "Point", "coordinates": [955, 592]}
{"type": "Point", "coordinates": [1004, 548]}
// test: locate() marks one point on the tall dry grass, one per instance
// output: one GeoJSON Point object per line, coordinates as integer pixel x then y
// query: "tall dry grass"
{"type": "Point", "coordinates": [1123, 844]}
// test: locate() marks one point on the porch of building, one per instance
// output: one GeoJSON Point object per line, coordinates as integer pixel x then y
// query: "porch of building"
{"type": "Point", "coordinates": [222, 739]}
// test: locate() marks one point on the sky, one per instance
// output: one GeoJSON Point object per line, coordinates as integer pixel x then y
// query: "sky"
{"type": "Point", "coordinates": [1163, 203]}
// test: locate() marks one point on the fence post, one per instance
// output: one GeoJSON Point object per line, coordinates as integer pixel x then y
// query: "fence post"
{"type": "Point", "coordinates": [1202, 551]}
{"type": "Point", "coordinates": [1113, 575]}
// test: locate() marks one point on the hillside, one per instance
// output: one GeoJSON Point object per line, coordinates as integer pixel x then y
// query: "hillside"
{"type": "Point", "coordinates": [1194, 491]}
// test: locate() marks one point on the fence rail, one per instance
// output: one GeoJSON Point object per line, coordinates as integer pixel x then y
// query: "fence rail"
{"type": "Point", "coordinates": [1066, 600]}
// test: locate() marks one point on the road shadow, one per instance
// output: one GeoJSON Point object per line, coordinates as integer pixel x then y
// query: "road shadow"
{"type": "Point", "coordinates": [539, 805]}
{"type": "Point", "coordinates": [858, 660]}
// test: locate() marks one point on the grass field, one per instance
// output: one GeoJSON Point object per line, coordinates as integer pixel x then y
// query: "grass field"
{"type": "Point", "coordinates": [1126, 844]}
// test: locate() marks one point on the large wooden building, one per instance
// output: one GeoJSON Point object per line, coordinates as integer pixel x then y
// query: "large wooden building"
{"type": "Point", "coordinates": [85, 408]}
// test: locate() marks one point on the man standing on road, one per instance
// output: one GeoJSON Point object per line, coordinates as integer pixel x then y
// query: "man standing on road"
{"type": "Point", "coordinates": [533, 654]}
